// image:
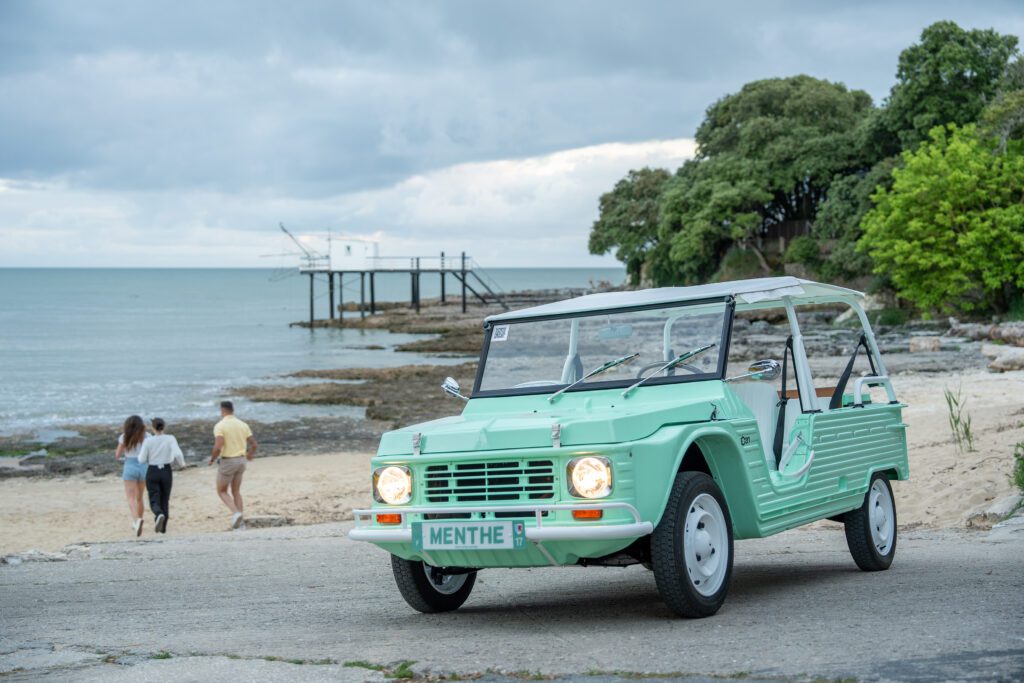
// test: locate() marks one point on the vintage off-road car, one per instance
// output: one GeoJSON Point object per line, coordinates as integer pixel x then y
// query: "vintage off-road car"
{"type": "Point", "coordinates": [608, 430]}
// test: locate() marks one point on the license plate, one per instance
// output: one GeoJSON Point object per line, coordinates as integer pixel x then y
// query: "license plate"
{"type": "Point", "coordinates": [469, 535]}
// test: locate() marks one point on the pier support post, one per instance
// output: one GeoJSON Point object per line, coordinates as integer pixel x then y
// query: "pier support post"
{"type": "Point", "coordinates": [311, 317]}
{"type": "Point", "coordinates": [341, 297]}
{"type": "Point", "coordinates": [442, 277]}
{"type": "Point", "coordinates": [417, 288]}
{"type": "Point", "coordinates": [362, 295]}
{"type": "Point", "coordinates": [373, 297]}
{"type": "Point", "coordinates": [463, 282]}
{"type": "Point", "coordinates": [330, 289]}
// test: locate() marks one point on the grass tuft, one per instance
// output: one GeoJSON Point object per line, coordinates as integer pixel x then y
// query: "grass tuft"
{"type": "Point", "coordinates": [402, 671]}
{"type": "Point", "coordinates": [959, 419]}
{"type": "Point", "coordinates": [1018, 466]}
{"type": "Point", "coordinates": [163, 654]}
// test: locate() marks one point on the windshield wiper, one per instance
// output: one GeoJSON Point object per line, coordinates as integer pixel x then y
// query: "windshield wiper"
{"type": "Point", "coordinates": [596, 371]}
{"type": "Point", "coordinates": [668, 366]}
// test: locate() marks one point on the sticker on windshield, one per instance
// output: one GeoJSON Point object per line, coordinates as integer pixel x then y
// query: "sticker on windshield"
{"type": "Point", "coordinates": [500, 333]}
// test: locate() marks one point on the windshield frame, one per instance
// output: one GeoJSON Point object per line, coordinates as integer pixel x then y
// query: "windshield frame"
{"type": "Point", "coordinates": [718, 374]}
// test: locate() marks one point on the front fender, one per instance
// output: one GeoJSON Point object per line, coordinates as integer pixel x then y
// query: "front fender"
{"type": "Point", "coordinates": [660, 457]}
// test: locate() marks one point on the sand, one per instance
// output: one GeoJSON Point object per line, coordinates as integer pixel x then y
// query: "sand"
{"type": "Point", "coordinates": [945, 488]}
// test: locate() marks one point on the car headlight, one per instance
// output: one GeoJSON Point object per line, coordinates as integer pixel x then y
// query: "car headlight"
{"type": "Point", "coordinates": [392, 485]}
{"type": "Point", "coordinates": [590, 477]}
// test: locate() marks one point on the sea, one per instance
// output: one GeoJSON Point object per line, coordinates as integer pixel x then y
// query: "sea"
{"type": "Point", "coordinates": [92, 346]}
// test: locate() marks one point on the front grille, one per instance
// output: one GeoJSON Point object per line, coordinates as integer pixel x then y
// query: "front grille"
{"type": "Point", "coordinates": [475, 482]}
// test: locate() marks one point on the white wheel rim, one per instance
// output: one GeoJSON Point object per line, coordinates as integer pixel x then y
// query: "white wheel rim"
{"type": "Point", "coordinates": [706, 544]}
{"type": "Point", "coordinates": [881, 515]}
{"type": "Point", "coordinates": [448, 584]}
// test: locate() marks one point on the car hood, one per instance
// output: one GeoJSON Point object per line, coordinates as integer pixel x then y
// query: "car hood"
{"type": "Point", "coordinates": [584, 417]}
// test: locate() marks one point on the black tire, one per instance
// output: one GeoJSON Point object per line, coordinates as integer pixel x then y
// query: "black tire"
{"type": "Point", "coordinates": [872, 543]}
{"type": "Point", "coordinates": [669, 548]}
{"type": "Point", "coordinates": [421, 594]}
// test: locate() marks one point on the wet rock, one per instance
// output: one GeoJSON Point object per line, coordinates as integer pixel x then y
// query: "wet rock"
{"type": "Point", "coordinates": [924, 344]}
{"type": "Point", "coordinates": [996, 512]}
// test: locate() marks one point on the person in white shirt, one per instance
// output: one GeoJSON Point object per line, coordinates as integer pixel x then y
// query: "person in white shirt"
{"type": "Point", "coordinates": [160, 452]}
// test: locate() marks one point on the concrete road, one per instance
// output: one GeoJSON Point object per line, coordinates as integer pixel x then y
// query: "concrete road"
{"type": "Point", "coordinates": [240, 604]}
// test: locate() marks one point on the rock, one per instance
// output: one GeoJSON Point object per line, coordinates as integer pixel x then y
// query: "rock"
{"type": "Point", "coordinates": [996, 512]}
{"type": "Point", "coordinates": [1010, 333]}
{"type": "Point", "coordinates": [35, 556]}
{"type": "Point", "coordinates": [924, 344]}
{"type": "Point", "coordinates": [265, 521]}
{"type": "Point", "coordinates": [1005, 358]}
{"type": "Point", "coordinates": [77, 551]}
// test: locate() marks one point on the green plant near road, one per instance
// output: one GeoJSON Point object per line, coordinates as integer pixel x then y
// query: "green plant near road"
{"type": "Point", "coordinates": [403, 670]}
{"type": "Point", "coordinates": [1018, 466]}
{"type": "Point", "coordinates": [959, 419]}
{"type": "Point", "coordinates": [163, 654]}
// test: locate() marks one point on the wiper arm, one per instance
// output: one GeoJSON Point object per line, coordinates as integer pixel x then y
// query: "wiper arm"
{"type": "Point", "coordinates": [596, 371]}
{"type": "Point", "coordinates": [668, 366]}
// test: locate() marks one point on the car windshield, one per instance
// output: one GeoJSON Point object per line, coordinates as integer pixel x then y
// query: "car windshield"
{"type": "Point", "coordinates": [543, 356]}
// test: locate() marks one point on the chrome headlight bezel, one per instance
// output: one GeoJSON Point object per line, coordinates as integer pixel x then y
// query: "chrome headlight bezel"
{"type": "Point", "coordinates": [575, 486]}
{"type": "Point", "coordinates": [379, 472]}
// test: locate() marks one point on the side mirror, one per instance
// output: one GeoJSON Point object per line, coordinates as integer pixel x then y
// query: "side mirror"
{"type": "Point", "coordinates": [762, 370]}
{"type": "Point", "coordinates": [451, 387]}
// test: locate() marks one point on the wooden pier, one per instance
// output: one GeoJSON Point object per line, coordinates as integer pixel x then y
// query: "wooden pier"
{"type": "Point", "coordinates": [467, 279]}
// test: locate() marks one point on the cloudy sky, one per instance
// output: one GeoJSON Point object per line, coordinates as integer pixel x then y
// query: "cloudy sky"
{"type": "Point", "coordinates": [180, 133]}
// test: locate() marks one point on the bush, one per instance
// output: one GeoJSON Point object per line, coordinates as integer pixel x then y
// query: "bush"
{"type": "Point", "coordinates": [804, 250]}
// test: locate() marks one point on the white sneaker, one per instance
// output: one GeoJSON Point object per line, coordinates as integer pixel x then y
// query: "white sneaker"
{"type": "Point", "coordinates": [137, 526]}
{"type": "Point", "coordinates": [161, 523]}
{"type": "Point", "coordinates": [236, 520]}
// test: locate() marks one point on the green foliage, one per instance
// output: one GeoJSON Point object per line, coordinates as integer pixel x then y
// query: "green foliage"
{"type": "Point", "coordinates": [946, 78]}
{"type": "Point", "coordinates": [890, 317]}
{"type": "Point", "coordinates": [839, 221]}
{"type": "Point", "coordinates": [948, 233]}
{"type": "Point", "coordinates": [959, 419]}
{"type": "Point", "coordinates": [628, 220]}
{"type": "Point", "coordinates": [1003, 119]}
{"type": "Point", "coordinates": [738, 264]}
{"type": "Point", "coordinates": [805, 250]}
{"type": "Point", "coordinates": [1018, 466]}
{"type": "Point", "coordinates": [766, 154]}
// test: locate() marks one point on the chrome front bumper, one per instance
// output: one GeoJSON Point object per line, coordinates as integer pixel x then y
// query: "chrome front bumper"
{"type": "Point", "coordinates": [582, 531]}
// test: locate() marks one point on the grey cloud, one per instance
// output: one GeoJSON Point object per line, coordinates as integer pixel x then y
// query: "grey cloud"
{"type": "Point", "coordinates": [320, 98]}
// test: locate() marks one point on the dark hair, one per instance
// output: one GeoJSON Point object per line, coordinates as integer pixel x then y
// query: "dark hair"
{"type": "Point", "coordinates": [134, 432]}
{"type": "Point", "coordinates": [159, 424]}
{"type": "Point", "coordinates": [228, 406]}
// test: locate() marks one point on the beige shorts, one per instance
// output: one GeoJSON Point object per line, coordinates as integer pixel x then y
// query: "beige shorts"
{"type": "Point", "coordinates": [230, 469]}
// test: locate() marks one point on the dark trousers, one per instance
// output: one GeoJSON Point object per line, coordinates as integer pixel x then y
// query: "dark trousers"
{"type": "Point", "coordinates": [158, 483]}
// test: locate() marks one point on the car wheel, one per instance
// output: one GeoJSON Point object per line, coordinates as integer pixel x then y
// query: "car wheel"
{"type": "Point", "coordinates": [871, 528]}
{"type": "Point", "coordinates": [429, 589]}
{"type": "Point", "coordinates": [691, 548]}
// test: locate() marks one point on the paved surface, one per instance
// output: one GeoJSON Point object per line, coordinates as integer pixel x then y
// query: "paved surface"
{"type": "Point", "coordinates": [240, 604]}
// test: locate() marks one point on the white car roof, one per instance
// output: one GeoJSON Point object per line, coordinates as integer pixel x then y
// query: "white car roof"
{"type": "Point", "coordinates": [766, 292]}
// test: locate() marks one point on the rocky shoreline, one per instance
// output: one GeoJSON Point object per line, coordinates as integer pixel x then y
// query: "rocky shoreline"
{"type": "Point", "coordinates": [397, 396]}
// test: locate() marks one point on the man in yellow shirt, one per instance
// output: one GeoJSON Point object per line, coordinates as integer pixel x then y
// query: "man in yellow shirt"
{"type": "Point", "coordinates": [233, 444]}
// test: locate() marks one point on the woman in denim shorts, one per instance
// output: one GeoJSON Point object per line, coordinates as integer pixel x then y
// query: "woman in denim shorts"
{"type": "Point", "coordinates": [129, 443]}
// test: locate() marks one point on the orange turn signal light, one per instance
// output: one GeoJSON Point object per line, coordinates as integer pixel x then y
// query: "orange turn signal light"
{"type": "Point", "coordinates": [587, 514]}
{"type": "Point", "coordinates": [390, 518]}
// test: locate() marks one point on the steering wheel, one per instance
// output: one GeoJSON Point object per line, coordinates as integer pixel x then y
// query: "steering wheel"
{"type": "Point", "coordinates": [654, 366]}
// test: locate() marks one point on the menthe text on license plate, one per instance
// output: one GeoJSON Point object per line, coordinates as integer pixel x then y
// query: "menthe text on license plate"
{"type": "Point", "coordinates": [469, 535]}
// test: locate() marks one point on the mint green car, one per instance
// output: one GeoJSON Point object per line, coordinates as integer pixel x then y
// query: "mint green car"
{"type": "Point", "coordinates": [609, 430]}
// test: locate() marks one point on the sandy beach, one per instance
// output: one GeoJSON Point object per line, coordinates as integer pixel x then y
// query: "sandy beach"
{"type": "Point", "coordinates": [945, 489]}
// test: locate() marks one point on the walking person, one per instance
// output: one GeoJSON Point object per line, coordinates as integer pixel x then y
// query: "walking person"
{"type": "Point", "coordinates": [129, 443]}
{"type": "Point", "coordinates": [233, 444]}
{"type": "Point", "coordinates": [160, 452]}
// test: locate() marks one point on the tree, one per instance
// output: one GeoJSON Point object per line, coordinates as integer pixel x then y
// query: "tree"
{"type": "Point", "coordinates": [628, 219]}
{"type": "Point", "coordinates": [766, 155]}
{"type": "Point", "coordinates": [1004, 117]}
{"type": "Point", "coordinates": [948, 77]}
{"type": "Point", "coordinates": [950, 232]}
{"type": "Point", "coordinates": [838, 225]}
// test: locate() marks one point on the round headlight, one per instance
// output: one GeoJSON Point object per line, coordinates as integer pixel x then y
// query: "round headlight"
{"type": "Point", "coordinates": [590, 477]}
{"type": "Point", "coordinates": [392, 485]}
